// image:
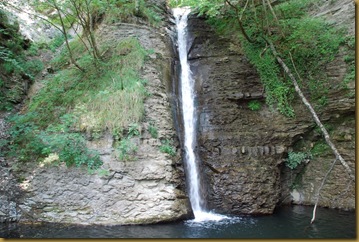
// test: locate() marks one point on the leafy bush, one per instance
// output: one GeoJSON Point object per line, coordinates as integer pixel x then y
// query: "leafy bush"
{"type": "Point", "coordinates": [103, 172]}
{"type": "Point", "coordinates": [279, 92]}
{"type": "Point", "coordinates": [25, 141]}
{"type": "Point", "coordinates": [124, 11]}
{"type": "Point", "coordinates": [133, 130]}
{"type": "Point", "coordinates": [254, 105]}
{"type": "Point", "coordinates": [310, 42]}
{"type": "Point", "coordinates": [14, 64]}
{"type": "Point", "coordinates": [296, 158]}
{"type": "Point", "coordinates": [126, 148]}
{"type": "Point", "coordinates": [167, 147]}
{"type": "Point", "coordinates": [320, 148]}
{"type": "Point", "coordinates": [56, 42]}
{"type": "Point", "coordinates": [29, 142]}
{"type": "Point", "coordinates": [350, 60]}
{"type": "Point", "coordinates": [107, 96]}
{"type": "Point", "coordinates": [71, 148]}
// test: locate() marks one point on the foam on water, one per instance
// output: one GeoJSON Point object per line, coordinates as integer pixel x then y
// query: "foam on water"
{"type": "Point", "coordinates": [201, 216]}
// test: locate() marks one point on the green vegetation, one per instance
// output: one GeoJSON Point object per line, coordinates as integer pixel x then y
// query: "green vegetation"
{"type": "Point", "coordinates": [14, 64]}
{"type": "Point", "coordinates": [153, 131]}
{"type": "Point", "coordinates": [126, 148]}
{"type": "Point", "coordinates": [125, 11]}
{"type": "Point", "coordinates": [298, 180]}
{"type": "Point", "coordinates": [254, 105]}
{"type": "Point", "coordinates": [100, 96]}
{"type": "Point", "coordinates": [296, 158]}
{"type": "Point", "coordinates": [350, 60]}
{"type": "Point", "coordinates": [295, 36]}
{"type": "Point", "coordinates": [95, 100]}
{"type": "Point", "coordinates": [87, 93]}
{"type": "Point", "coordinates": [167, 147]}
{"type": "Point", "coordinates": [320, 148]}
{"type": "Point", "coordinates": [103, 172]}
{"type": "Point", "coordinates": [29, 142]}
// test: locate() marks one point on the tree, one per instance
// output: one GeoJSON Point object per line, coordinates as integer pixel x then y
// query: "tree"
{"type": "Point", "coordinates": [69, 13]}
{"type": "Point", "coordinates": [86, 13]}
{"type": "Point", "coordinates": [56, 5]}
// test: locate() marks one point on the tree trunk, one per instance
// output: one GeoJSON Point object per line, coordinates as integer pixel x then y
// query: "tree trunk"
{"type": "Point", "coordinates": [73, 61]}
{"type": "Point", "coordinates": [243, 31]}
{"type": "Point", "coordinates": [91, 30]}
{"type": "Point", "coordinates": [312, 111]}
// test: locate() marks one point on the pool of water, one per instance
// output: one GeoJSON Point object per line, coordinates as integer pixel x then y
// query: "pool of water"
{"type": "Point", "coordinates": [286, 222]}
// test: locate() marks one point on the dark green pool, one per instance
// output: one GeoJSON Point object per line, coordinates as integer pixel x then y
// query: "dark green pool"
{"type": "Point", "coordinates": [286, 222]}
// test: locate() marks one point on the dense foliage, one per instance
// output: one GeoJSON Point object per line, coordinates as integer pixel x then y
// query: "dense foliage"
{"type": "Point", "coordinates": [306, 44]}
{"type": "Point", "coordinates": [14, 65]}
{"type": "Point", "coordinates": [94, 85]}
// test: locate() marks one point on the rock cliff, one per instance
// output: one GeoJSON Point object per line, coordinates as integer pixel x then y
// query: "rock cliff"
{"type": "Point", "coordinates": [243, 151]}
{"type": "Point", "coordinates": [148, 189]}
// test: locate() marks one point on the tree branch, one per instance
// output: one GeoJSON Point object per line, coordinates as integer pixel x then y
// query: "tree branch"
{"type": "Point", "coordinates": [240, 22]}
{"type": "Point", "coordinates": [32, 14]}
{"type": "Point", "coordinates": [320, 188]}
{"type": "Point", "coordinates": [312, 111]}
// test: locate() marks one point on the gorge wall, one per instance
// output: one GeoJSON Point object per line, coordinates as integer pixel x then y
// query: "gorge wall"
{"type": "Point", "coordinates": [243, 151]}
{"type": "Point", "coordinates": [149, 189]}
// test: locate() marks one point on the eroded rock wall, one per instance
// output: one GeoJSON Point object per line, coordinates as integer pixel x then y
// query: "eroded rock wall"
{"type": "Point", "coordinates": [301, 186]}
{"type": "Point", "coordinates": [243, 151]}
{"type": "Point", "coordinates": [147, 189]}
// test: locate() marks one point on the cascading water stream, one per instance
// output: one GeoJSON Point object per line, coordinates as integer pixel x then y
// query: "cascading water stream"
{"type": "Point", "coordinates": [189, 119]}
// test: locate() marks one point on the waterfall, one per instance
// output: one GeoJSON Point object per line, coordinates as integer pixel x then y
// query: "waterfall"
{"type": "Point", "coordinates": [189, 120]}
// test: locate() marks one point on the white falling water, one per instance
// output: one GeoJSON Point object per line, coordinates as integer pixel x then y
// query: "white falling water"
{"type": "Point", "coordinates": [189, 120]}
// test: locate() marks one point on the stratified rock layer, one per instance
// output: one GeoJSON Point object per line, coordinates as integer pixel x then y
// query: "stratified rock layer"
{"type": "Point", "coordinates": [242, 151]}
{"type": "Point", "coordinates": [147, 189]}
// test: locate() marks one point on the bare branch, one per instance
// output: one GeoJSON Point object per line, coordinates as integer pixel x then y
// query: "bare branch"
{"type": "Point", "coordinates": [312, 111]}
{"type": "Point", "coordinates": [320, 188]}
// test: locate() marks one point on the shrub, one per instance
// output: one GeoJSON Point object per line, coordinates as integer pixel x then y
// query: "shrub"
{"type": "Point", "coordinates": [254, 105]}
{"type": "Point", "coordinates": [167, 147]}
{"type": "Point", "coordinates": [29, 142]}
{"type": "Point", "coordinates": [126, 148]}
{"type": "Point", "coordinates": [109, 96]}
{"type": "Point", "coordinates": [133, 130]}
{"type": "Point", "coordinates": [310, 41]}
{"type": "Point", "coordinates": [124, 11]}
{"type": "Point", "coordinates": [153, 131]}
{"type": "Point", "coordinates": [296, 158]}
{"type": "Point", "coordinates": [320, 148]}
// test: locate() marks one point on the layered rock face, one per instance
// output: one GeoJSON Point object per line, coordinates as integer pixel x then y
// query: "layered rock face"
{"type": "Point", "coordinates": [301, 186]}
{"type": "Point", "coordinates": [242, 151]}
{"type": "Point", "coordinates": [147, 189]}
{"type": "Point", "coordinates": [238, 150]}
